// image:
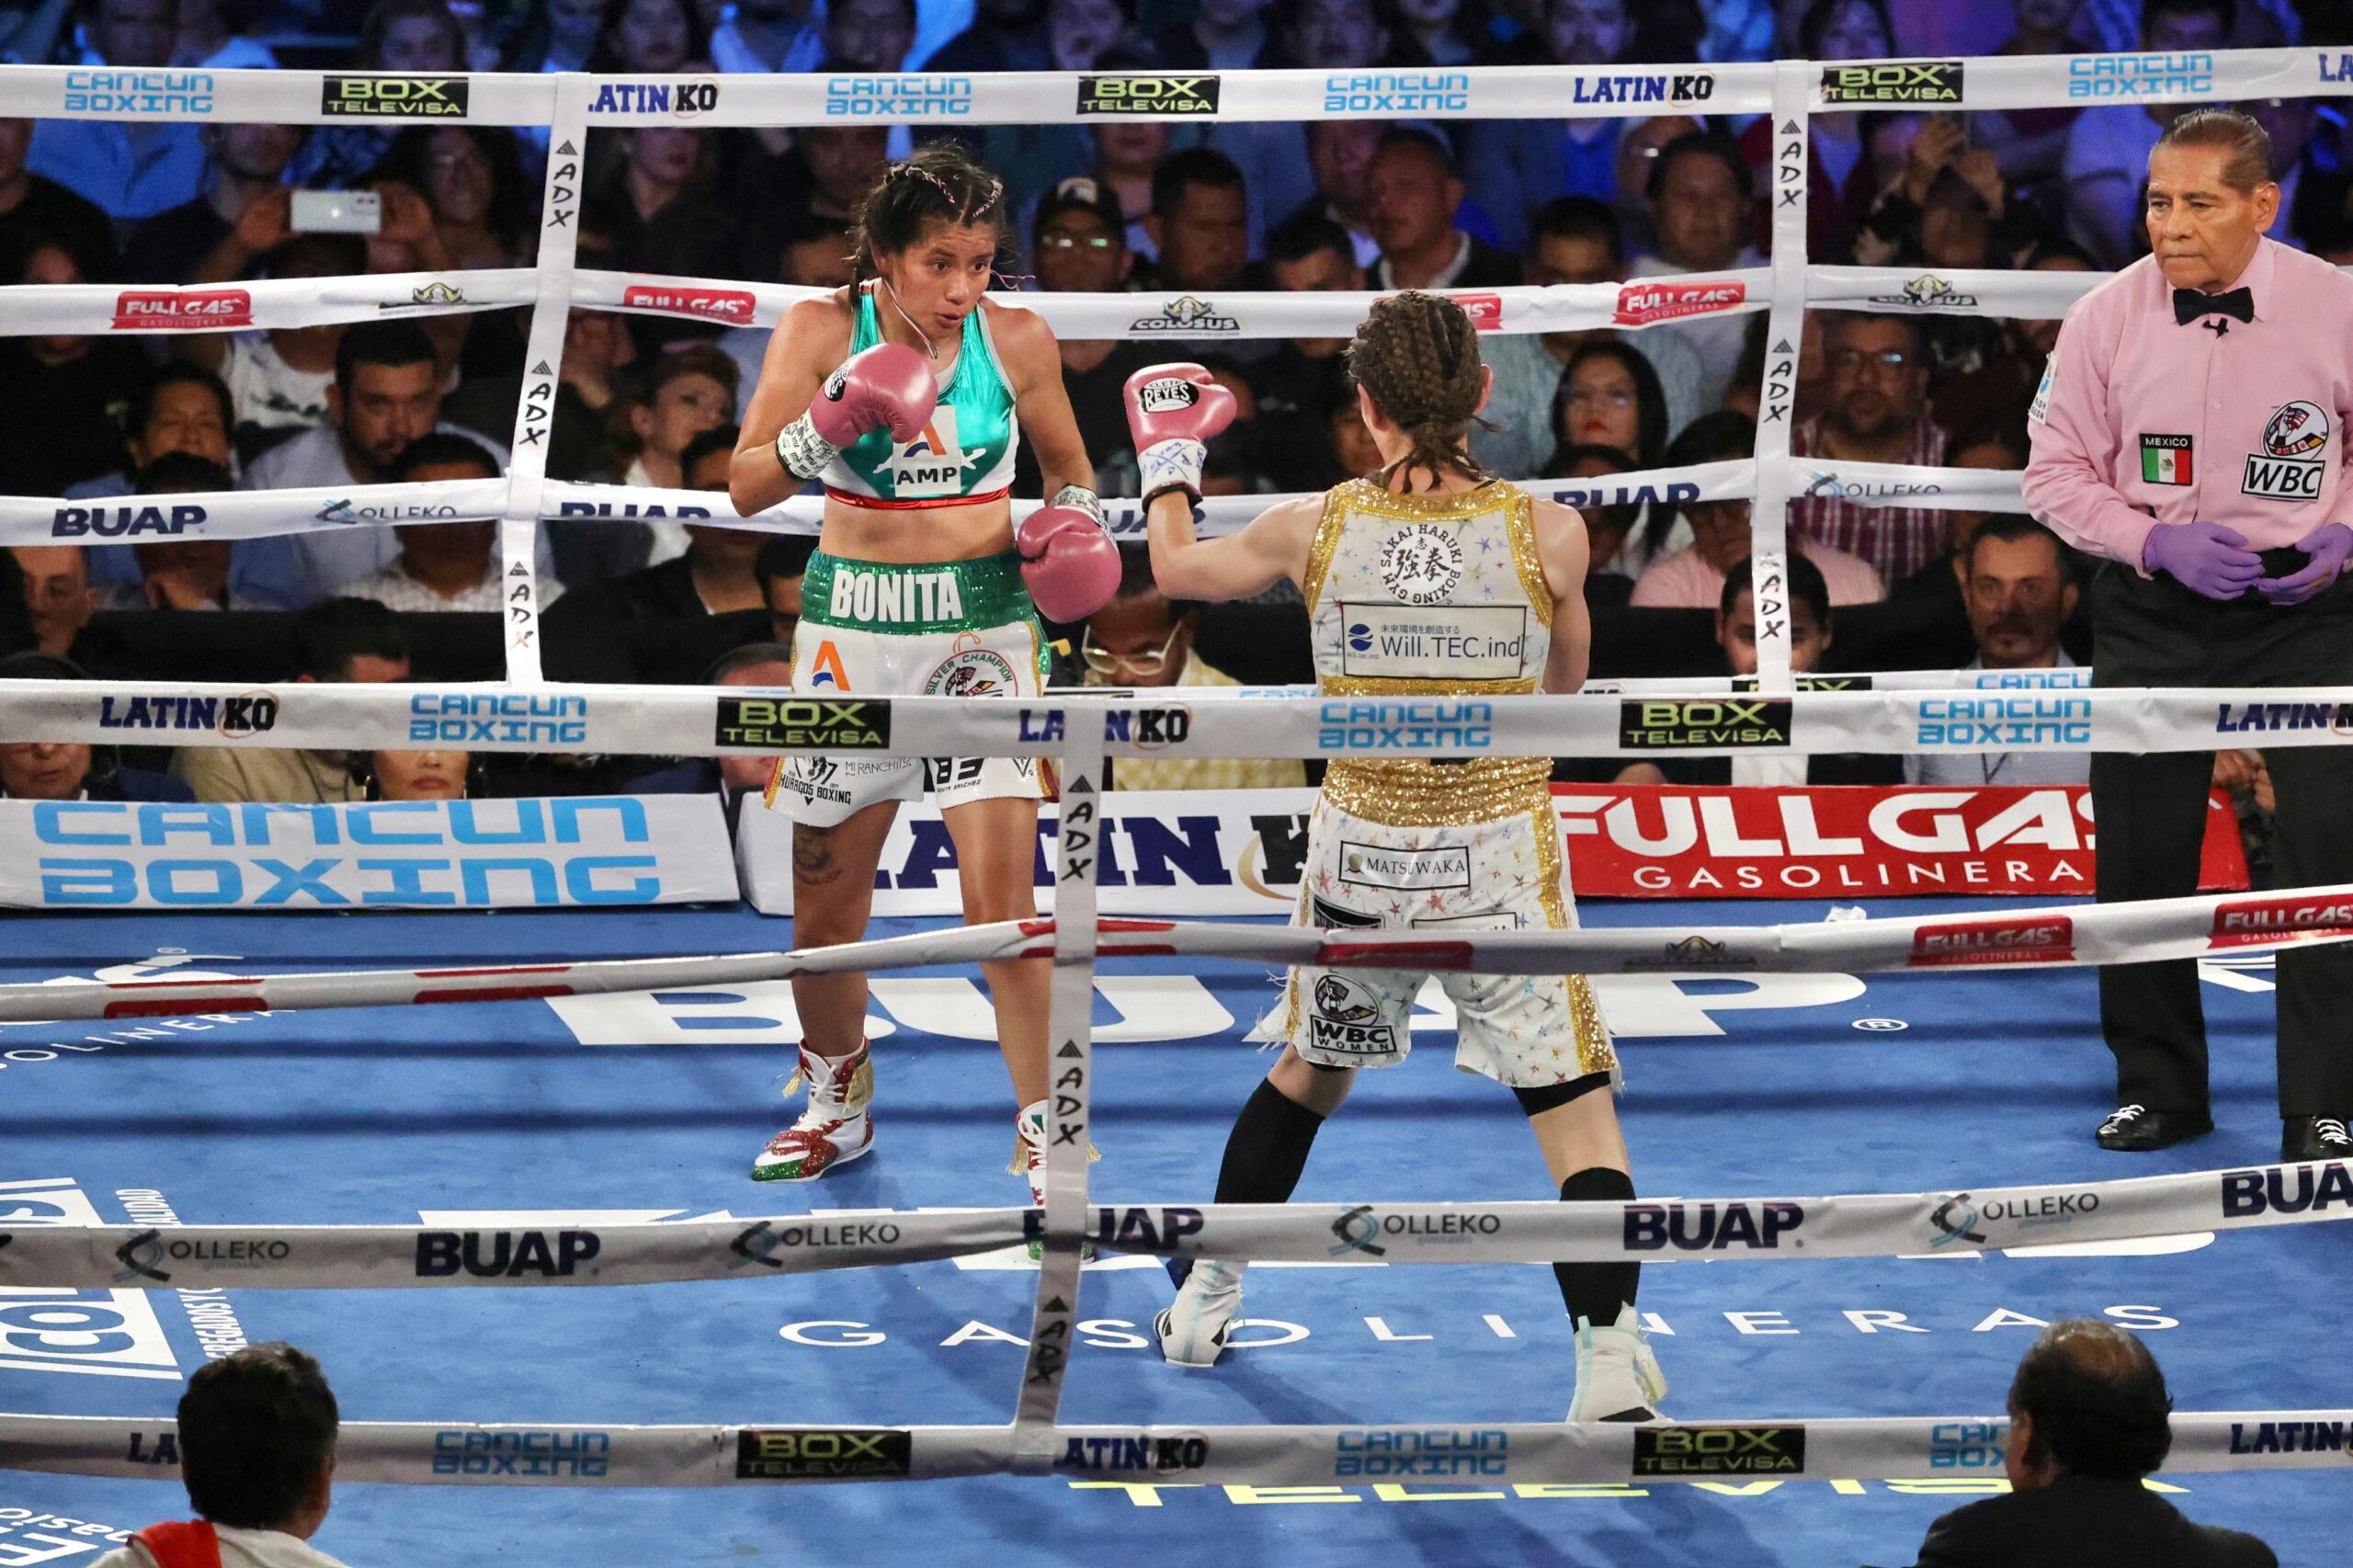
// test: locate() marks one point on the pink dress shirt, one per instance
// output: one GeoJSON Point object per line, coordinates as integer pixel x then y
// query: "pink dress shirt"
{"type": "Point", "coordinates": [2141, 421]}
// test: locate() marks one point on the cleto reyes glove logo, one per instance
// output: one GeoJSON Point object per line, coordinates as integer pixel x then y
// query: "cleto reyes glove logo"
{"type": "Point", "coordinates": [1166, 395]}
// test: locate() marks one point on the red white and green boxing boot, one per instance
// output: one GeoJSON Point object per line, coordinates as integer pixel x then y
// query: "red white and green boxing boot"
{"type": "Point", "coordinates": [838, 1126]}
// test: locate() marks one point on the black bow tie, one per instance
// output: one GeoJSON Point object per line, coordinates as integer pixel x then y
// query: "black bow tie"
{"type": "Point", "coordinates": [2188, 304]}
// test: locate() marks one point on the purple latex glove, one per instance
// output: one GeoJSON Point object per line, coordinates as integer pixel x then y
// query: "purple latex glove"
{"type": "Point", "coordinates": [2205, 558]}
{"type": "Point", "coordinates": [2328, 545]}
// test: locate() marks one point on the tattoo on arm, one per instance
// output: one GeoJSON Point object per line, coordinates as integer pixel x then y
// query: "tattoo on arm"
{"type": "Point", "coordinates": [813, 856]}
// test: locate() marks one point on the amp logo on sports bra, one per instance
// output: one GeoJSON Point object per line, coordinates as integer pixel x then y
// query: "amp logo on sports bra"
{"type": "Point", "coordinates": [934, 462]}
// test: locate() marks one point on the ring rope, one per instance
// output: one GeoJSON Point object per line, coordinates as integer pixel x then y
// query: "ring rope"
{"type": "Point", "coordinates": [1874, 1224]}
{"type": "Point", "coordinates": [702, 721]}
{"type": "Point", "coordinates": [2066, 936]}
{"type": "Point", "coordinates": [1527, 1455]}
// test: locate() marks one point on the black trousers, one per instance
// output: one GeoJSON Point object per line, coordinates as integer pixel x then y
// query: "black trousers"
{"type": "Point", "coordinates": [2150, 814]}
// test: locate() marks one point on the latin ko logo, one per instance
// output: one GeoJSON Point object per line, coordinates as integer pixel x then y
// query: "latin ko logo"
{"type": "Point", "coordinates": [1937, 943]}
{"type": "Point", "coordinates": [2288, 468]}
{"type": "Point", "coordinates": [1187, 315]}
{"type": "Point", "coordinates": [2233, 718]}
{"type": "Point", "coordinates": [1156, 1455]}
{"type": "Point", "coordinates": [971, 672]}
{"type": "Point", "coordinates": [1640, 304]}
{"type": "Point", "coordinates": [182, 309]}
{"type": "Point", "coordinates": [395, 98]}
{"type": "Point", "coordinates": [734, 306]}
{"type": "Point", "coordinates": [1710, 1227]}
{"type": "Point", "coordinates": [682, 100]}
{"type": "Point", "coordinates": [1905, 82]}
{"type": "Point", "coordinates": [1719, 1450]}
{"type": "Point", "coordinates": [1153, 95]}
{"type": "Point", "coordinates": [1701, 723]}
{"type": "Point", "coordinates": [809, 1453]}
{"type": "Point", "coordinates": [2165, 460]}
{"type": "Point", "coordinates": [1421, 564]}
{"type": "Point", "coordinates": [2291, 1437]}
{"type": "Point", "coordinates": [778, 723]}
{"type": "Point", "coordinates": [1342, 1021]}
{"type": "Point", "coordinates": [255, 713]}
{"type": "Point", "coordinates": [2243, 921]}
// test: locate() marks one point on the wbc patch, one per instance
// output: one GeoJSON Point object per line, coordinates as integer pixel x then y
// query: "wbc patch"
{"type": "Point", "coordinates": [2164, 460]}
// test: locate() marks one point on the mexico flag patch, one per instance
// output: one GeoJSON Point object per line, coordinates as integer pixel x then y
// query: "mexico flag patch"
{"type": "Point", "coordinates": [2164, 460]}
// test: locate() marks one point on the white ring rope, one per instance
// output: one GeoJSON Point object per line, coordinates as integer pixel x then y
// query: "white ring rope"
{"type": "Point", "coordinates": [2064, 936]}
{"type": "Point", "coordinates": [700, 722]}
{"type": "Point", "coordinates": [1401, 1460]}
{"type": "Point", "coordinates": [1877, 1224]}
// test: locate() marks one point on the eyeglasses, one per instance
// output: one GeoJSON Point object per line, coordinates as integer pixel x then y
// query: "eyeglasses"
{"type": "Point", "coordinates": [1847, 361]}
{"type": "Point", "coordinates": [1586, 397]}
{"type": "Point", "coordinates": [1072, 242]}
{"type": "Point", "coordinates": [1103, 662]}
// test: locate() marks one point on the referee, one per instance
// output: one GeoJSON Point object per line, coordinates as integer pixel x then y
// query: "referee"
{"type": "Point", "coordinates": [2190, 428]}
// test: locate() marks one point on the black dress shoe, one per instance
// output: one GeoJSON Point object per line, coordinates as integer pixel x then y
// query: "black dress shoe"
{"type": "Point", "coordinates": [2137, 1130]}
{"type": "Point", "coordinates": [2314, 1138]}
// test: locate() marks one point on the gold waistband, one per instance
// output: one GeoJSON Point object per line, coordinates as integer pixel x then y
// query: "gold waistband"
{"type": "Point", "coordinates": [1413, 793]}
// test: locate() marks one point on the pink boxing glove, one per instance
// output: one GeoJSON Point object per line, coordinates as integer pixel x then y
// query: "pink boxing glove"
{"type": "Point", "coordinates": [1069, 560]}
{"type": "Point", "coordinates": [889, 384]}
{"type": "Point", "coordinates": [1173, 411]}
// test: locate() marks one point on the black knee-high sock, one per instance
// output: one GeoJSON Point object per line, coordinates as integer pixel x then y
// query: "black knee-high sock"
{"type": "Point", "coordinates": [1268, 1148]}
{"type": "Point", "coordinates": [1264, 1154]}
{"type": "Point", "coordinates": [1595, 1291]}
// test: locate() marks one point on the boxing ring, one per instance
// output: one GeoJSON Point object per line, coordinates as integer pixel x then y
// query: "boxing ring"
{"type": "Point", "coordinates": [545, 1136]}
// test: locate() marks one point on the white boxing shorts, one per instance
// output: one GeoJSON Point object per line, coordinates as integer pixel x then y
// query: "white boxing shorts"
{"type": "Point", "coordinates": [1525, 1031]}
{"type": "Point", "coordinates": [874, 629]}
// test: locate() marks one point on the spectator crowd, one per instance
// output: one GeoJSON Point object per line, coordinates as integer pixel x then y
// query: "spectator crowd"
{"type": "Point", "coordinates": [1176, 212]}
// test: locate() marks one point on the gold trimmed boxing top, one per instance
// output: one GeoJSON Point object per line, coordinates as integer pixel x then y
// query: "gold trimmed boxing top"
{"type": "Point", "coordinates": [1429, 596]}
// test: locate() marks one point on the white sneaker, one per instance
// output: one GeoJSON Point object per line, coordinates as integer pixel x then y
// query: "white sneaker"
{"type": "Point", "coordinates": [1191, 1329]}
{"type": "Point", "coordinates": [837, 1128]}
{"type": "Point", "coordinates": [1618, 1378]}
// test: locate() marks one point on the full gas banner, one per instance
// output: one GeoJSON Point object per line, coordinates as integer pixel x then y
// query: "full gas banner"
{"type": "Point", "coordinates": [1226, 853]}
{"type": "Point", "coordinates": [1670, 841]}
{"type": "Point", "coordinates": [575, 852]}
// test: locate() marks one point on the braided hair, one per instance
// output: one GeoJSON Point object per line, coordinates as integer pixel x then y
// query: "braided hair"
{"type": "Point", "coordinates": [939, 182]}
{"type": "Point", "coordinates": [1417, 355]}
